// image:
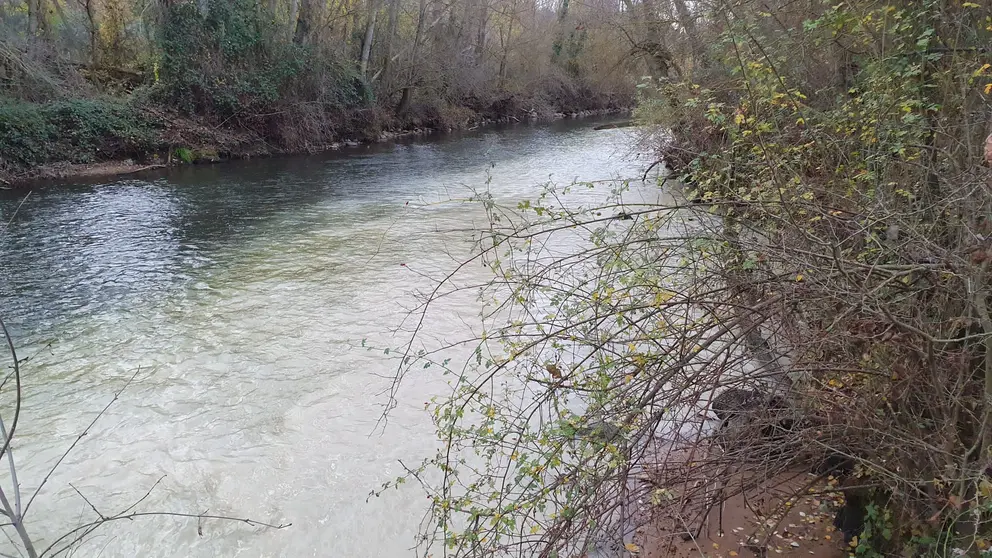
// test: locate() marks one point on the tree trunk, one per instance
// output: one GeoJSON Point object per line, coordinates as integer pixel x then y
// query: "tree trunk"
{"type": "Point", "coordinates": [505, 41]}
{"type": "Point", "coordinates": [345, 30]}
{"type": "Point", "coordinates": [394, 8]}
{"type": "Point", "coordinates": [38, 18]}
{"type": "Point", "coordinates": [480, 34]}
{"type": "Point", "coordinates": [301, 15]}
{"type": "Point", "coordinates": [407, 95]}
{"type": "Point", "coordinates": [367, 41]}
{"type": "Point", "coordinates": [32, 17]}
{"type": "Point", "coordinates": [505, 46]}
{"type": "Point", "coordinates": [94, 32]}
{"type": "Point", "coordinates": [404, 100]}
{"type": "Point", "coordinates": [659, 59]}
{"type": "Point", "coordinates": [419, 37]}
{"type": "Point", "coordinates": [688, 23]}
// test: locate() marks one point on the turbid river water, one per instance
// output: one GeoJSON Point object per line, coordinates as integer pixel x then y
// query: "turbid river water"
{"type": "Point", "coordinates": [242, 292]}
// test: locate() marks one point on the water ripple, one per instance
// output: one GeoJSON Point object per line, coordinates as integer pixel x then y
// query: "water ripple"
{"type": "Point", "coordinates": [242, 292]}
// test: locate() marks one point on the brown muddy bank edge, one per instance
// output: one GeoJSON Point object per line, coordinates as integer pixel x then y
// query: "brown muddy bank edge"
{"type": "Point", "coordinates": [210, 145]}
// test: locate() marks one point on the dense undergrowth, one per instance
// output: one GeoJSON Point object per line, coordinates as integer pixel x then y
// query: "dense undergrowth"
{"type": "Point", "coordinates": [245, 77]}
{"type": "Point", "coordinates": [843, 147]}
{"type": "Point", "coordinates": [81, 130]}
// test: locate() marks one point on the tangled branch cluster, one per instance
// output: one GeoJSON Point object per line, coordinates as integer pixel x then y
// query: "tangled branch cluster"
{"type": "Point", "coordinates": [823, 284]}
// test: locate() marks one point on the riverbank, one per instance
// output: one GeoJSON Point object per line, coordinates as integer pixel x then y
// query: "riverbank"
{"type": "Point", "coordinates": [85, 139]}
{"type": "Point", "coordinates": [783, 516]}
{"type": "Point", "coordinates": [786, 513]}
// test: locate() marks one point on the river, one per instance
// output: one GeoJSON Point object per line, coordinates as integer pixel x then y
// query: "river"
{"type": "Point", "coordinates": [241, 294]}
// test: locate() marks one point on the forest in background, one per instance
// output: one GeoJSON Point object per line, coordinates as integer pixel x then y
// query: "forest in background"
{"type": "Point", "coordinates": [91, 80]}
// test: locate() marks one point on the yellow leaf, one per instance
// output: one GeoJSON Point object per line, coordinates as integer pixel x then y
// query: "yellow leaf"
{"type": "Point", "coordinates": [970, 5]}
{"type": "Point", "coordinates": [663, 297]}
{"type": "Point", "coordinates": [985, 488]}
{"type": "Point", "coordinates": [716, 546]}
{"type": "Point", "coordinates": [799, 277]}
{"type": "Point", "coordinates": [632, 547]}
{"type": "Point", "coordinates": [988, 89]}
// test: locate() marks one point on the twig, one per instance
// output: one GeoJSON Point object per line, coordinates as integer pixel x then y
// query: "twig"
{"type": "Point", "coordinates": [23, 361]}
{"type": "Point", "coordinates": [89, 527]}
{"type": "Point", "coordinates": [85, 499]}
{"type": "Point", "coordinates": [13, 473]}
{"type": "Point", "coordinates": [17, 384]}
{"type": "Point", "coordinates": [18, 524]}
{"type": "Point", "coordinates": [78, 438]}
{"type": "Point", "coordinates": [14, 544]}
{"type": "Point", "coordinates": [142, 499]}
{"type": "Point", "coordinates": [653, 165]}
{"type": "Point", "coordinates": [11, 220]}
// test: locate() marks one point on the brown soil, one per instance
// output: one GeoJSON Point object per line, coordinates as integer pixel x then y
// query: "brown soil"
{"type": "Point", "coordinates": [209, 143]}
{"type": "Point", "coordinates": [61, 171]}
{"type": "Point", "coordinates": [785, 516]}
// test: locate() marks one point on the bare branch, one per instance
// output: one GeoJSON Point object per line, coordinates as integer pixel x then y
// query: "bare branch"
{"type": "Point", "coordinates": [77, 440]}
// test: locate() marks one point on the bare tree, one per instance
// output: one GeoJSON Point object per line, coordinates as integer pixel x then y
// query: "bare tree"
{"type": "Point", "coordinates": [369, 36]}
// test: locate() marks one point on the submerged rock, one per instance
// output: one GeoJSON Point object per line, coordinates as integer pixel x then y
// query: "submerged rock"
{"type": "Point", "coordinates": [614, 125]}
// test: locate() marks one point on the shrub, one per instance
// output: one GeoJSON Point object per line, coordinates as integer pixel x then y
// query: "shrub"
{"type": "Point", "coordinates": [184, 154]}
{"type": "Point", "coordinates": [860, 201]}
{"type": "Point", "coordinates": [229, 63]}
{"type": "Point", "coordinates": [77, 131]}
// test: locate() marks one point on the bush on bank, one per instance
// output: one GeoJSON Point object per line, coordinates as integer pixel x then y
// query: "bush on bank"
{"type": "Point", "coordinates": [77, 131]}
